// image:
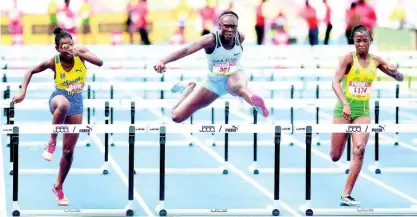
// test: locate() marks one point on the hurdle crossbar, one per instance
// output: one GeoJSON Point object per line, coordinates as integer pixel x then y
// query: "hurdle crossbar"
{"type": "Point", "coordinates": [104, 169]}
{"type": "Point", "coordinates": [308, 209]}
{"type": "Point", "coordinates": [17, 211]}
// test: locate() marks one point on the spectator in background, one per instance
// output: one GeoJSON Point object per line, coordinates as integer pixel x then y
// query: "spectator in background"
{"type": "Point", "coordinates": [352, 19]}
{"type": "Point", "coordinates": [85, 12]}
{"type": "Point", "coordinates": [182, 12]}
{"type": "Point", "coordinates": [52, 12]}
{"type": "Point", "coordinates": [260, 23]}
{"type": "Point", "coordinates": [310, 15]}
{"type": "Point", "coordinates": [139, 20]}
{"type": "Point", "coordinates": [178, 37]}
{"type": "Point", "coordinates": [367, 14]}
{"type": "Point", "coordinates": [399, 14]}
{"type": "Point", "coordinates": [279, 34]}
{"type": "Point", "coordinates": [15, 24]}
{"type": "Point", "coordinates": [208, 15]}
{"type": "Point", "coordinates": [328, 22]}
{"type": "Point", "coordinates": [129, 24]}
{"type": "Point", "coordinates": [66, 19]}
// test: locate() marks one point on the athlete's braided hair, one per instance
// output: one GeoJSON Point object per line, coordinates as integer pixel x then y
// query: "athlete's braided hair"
{"type": "Point", "coordinates": [60, 34]}
{"type": "Point", "coordinates": [361, 28]}
{"type": "Point", "coordinates": [228, 13]}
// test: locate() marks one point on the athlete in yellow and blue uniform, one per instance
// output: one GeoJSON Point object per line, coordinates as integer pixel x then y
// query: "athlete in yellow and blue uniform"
{"type": "Point", "coordinates": [66, 102]}
{"type": "Point", "coordinates": [352, 85]}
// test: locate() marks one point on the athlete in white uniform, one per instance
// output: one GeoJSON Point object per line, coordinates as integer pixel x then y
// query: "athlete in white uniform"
{"type": "Point", "coordinates": [223, 49]}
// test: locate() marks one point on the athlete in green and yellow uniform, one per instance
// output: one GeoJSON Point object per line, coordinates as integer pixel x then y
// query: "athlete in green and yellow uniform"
{"type": "Point", "coordinates": [66, 101]}
{"type": "Point", "coordinates": [352, 85]}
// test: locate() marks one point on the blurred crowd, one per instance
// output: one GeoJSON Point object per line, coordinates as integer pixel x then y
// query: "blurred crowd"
{"type": "Point", "coordinates": [268, 29]}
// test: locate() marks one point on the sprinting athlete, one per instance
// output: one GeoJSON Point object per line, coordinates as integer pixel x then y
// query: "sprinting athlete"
{"type": "Point", "coordinates": [352, 85]}
{"type": "Point", "coordinates": [224, 50]}
{"type": "Point", "coordinates": [66, 102]}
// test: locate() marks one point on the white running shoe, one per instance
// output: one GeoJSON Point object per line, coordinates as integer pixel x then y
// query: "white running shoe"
{"type": "Point", "coordinates": [180, 86]}
{"type": "Point", "coordinates": [349, 201]}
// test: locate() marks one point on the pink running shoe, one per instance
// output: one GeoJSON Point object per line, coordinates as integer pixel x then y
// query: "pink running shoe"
{"type": "Point", "coordinates": [259, 105]}
{"type": "Point", "coordinates": [48, 153]}
{"type": "Point", "coordinates": [60, 196]}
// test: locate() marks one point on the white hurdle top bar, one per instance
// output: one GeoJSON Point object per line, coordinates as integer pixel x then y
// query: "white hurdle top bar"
{"type": "Point", "coordinates": [237, 103]}
{"type": "Point", "coordinates": [143, 128]}
{"type": "Point", "coordinates": [209, 128]}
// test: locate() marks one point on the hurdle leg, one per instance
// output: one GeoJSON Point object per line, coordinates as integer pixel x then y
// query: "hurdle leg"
{"type": "Point", "coordinates": [254, 167]}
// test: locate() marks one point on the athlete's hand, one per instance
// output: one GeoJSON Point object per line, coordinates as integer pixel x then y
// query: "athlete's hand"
{"type": "Point", "coordinates": [70, 49]}
{"type": "Point", "coordinates": [19, 98]}
{"type": "Point", "coordinates": [160, 67]}
{"type": "Point", "coordinates": [346, 112]}
{"type": "Point", "coordinates": [393, 69]}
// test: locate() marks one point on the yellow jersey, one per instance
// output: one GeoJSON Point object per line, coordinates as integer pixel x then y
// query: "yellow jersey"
{"type": "Point", "coordinates": [357, 83]}
{"type": "Point", "coordinates": [72, 81]}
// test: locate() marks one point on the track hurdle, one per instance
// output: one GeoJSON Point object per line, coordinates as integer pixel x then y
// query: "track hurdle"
{"type": "Point", "coordinates": [375, 167]}
{"type": "Point", "coordinates": [276, 130]}
{"type": "Point", "coordinates": [16, 131]}
{"type": "Point", "coordinates": [308, 209]}
{"type": "Point", "coordinates": [223, 169]}
{"type": "Point", "coordinates": [84, 171]}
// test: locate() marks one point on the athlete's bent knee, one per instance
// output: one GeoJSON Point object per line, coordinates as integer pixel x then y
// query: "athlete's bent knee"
{"type": "Point", "coordinates": [359, 152]}
{"type": "Point", "coordinates": [236, 88]}
{"type": "Point", "coordinates": [177, 117]}
{"type": "Point", "coordinates": [335, 157]}
{"type": "Point", "coordinates": [63, 107]}
{"type": "Point", "coordinates": [68, 154]}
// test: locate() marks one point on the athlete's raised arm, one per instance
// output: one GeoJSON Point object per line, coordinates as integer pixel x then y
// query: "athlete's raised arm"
{"type": "Point", "coordinates": [205, 41]}
{"type": "Point", "coordinates": [388, 69]}
{"type": "Point", "coordinates": [48, 64]}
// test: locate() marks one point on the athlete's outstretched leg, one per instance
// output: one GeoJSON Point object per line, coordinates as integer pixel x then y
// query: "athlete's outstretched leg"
{"type": "Point", "coordinates": [338, 140]}
{"type": "Point", "coordinates": [59, 108]}
{"type": "Point", "coordinates": [199, 97]}
{"type": "Point", "coordinates": [69, 142]}
{"type": "Point", "coordinates": [359, 143]}
{"type": "Point", "coordinates": [237, 86]}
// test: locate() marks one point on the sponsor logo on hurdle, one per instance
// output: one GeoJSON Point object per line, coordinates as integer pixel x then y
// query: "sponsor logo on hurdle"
{"type": "Point", "coordinates": [140, 129]}
{"type": "Point", "coordinates": [354, 129]}
{"type": "Point", "coordinates": [379, 129]}
{"type": "Point", "coordinates": [208, 129]}
{"type": "Point", "coordinates": [154, 129]}
{"type": "Point", "coordinates": [7, 129]}
{"type": "Point", "coordinates": [72, 210]}
{"type": "Point", "coordinates": [62, 129]}
{"type": "Point", "coordinates": [218, 210]}
{"type": "Point", "coordinates": [365, 210]}
{"type": "Point", "coordinates": [87, 129]}
{"type": "Point", "coordinates": [233, 129]}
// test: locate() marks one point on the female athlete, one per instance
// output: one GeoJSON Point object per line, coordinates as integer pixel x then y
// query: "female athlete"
{"type": "Point", "coordinates": [224, 50]}
{"type": "Point", "coordinates": [66, 102]}
{"type": "Point", "coordinates": [352, 85]}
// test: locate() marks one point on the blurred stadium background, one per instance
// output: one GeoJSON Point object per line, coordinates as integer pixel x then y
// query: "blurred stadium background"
{"type": "Point", "coordinates": [29, 22]}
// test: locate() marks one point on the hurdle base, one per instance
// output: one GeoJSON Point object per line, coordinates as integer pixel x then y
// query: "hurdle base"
{"type": "Point", "coordinates": [75, 212]}
{"type": "Point", "coordinates": [379, 170]}
{"type": "Point", "coordinates": [218, 212]}
{"type": "Point", "coordinates": [126, 211]}
{"type": "Point", "coordinates": [76, 171]}
{"type": "Point", "coordinates": [340, 170]}
{"type": "Point", "coordinates": [181, 171]}
{"type": "Point", "coordinates": [356, 211]}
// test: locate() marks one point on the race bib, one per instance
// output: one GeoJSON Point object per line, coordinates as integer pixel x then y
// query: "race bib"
{"type": "Point", "coordinates": [359, 90]}
{"type": "Point", "coordinates": [74, 88]}
{"type": "Point", "coordinates": [225, 69]}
